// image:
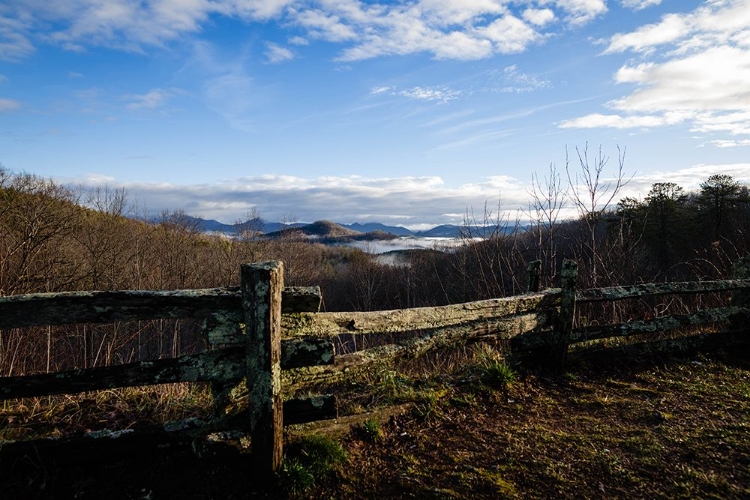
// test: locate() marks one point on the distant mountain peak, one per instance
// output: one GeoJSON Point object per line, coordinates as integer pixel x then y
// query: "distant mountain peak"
{"type": "Point", "coordinates": [327, 228]}
{"type": "Point", "coordinates": [330, 229]}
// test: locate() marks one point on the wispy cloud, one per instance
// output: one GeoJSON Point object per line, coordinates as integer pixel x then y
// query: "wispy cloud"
{"type": "Point", "coordinates": [230, 95]}
{"type": "Point", "coordinates": [484, 136]}
{"type": "Point", "coordinates": [380, 90]}
{"type": "Point", "coordinates": [275, 53]}
{"type": "Point", "coordinates": [298, 40]}
{"type": "Point", "coordinates": [15, 44]}
{"type": "Point", "coordinates": [447, 29]}
{"type": "Point", "coordinates": [153, 99]}
{"type": "Point", "coordinates": [118, 24]}
{"type": "Point", "coordinates": [731, 144]}
{"type": "Point", "coordinates": [228, 87]}
{"type": "Point", "coordinates": [516, 81]}
{"type": "Point", "coordinates": [597, 120]}
{"type": "Point", "coordinates": [509, 116]}
{"type": "Point", "coordinates": [578, 12]}
{"type": "Point", "coordinates": [639, 4]}
{"type": "Point", "coordinates": [439, 95]}
{"type": "Point", "coordinates": [9, 105]}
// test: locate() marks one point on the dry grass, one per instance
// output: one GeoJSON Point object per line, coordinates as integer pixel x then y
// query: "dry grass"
{"type": "Point", "coordinates": [113, 409]}
{"type": "Point", "coordinates": [656, 428]}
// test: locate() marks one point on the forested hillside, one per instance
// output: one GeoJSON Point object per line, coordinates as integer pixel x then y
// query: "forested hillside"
{"type": "Point", "coordinates": [55, 239]}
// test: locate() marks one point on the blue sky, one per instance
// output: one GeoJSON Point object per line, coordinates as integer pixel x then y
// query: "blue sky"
{"type": "Point", "coordinates": [406, 113]}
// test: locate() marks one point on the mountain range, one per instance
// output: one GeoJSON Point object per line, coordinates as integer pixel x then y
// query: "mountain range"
{"type": "Point", "coordinates": [370, 230]}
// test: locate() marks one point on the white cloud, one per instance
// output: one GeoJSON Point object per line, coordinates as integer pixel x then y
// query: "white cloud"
{"type": "Point", "coordinates": [689, 178]}
{"type": "Point", "coordinates": [14, 42]}
{"type": "Point", "coordinates": [717, 22]}
{"type": "Point", "coordinates": [380, 90]}
{"type": "Point", "coordinates": [120, 24]}
{"type": "Point", "coordinates": [298, 40]}
{"type": "Point", "coordinates": [509, 34]}
{"type": "Point", "coordinates": [701, 81]}
{"type": "Point", "coordinates": [639, 4]}
{"type": "Point", "coordinates": [517, 82]}
{"type": "Point", "coordinates": [428, 201]}
{"type": "Point", "coordinates": [457, 12]}
{"type": "Point", "coordinates": [447, 29]}
{"type": "Point", "coordinates": [671, 28]}
{"type": "Point", "coordinates": [251, 9]}
{"type": "Point", "coordinates": [597, 120]}
{"type": "Point", "coordinates": [579, 12]}
{"type": "Point", "coordinates": [321, 24]}
{"type": "Point", "coordinates": [687, 82]}
{"type": "Point", "coordinates": [405, 31]}
{"type": "Point", "coordinates": [441, 95]}
{"type": "Point", "coordinates": [275, 53]}
{"type": "Point", "coordinates": [9, 105]}
{"type": "Point", "coordinates": [153, 99]}
{"type": "Point", "coordinates": [539, 17]}
{"type": "Point", "coordinates": [731, 144]}
{"type": "Point", "coordinates": [737, 123]}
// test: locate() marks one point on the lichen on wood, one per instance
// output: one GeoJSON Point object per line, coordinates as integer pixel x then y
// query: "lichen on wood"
{"type": "Point", "coordinates": [418, 343]}
{"type": "Point", "coordinates": [658, 325]}
{"type": "Point", "coordinates": [306, 351]}
{"type": "Point", "coordinates": [407, 320]}
{"type": "Point", "coordinates": [560, 336]}
{"type": "Point", "coordinates": [655, 289]}
{"type": "Point", "coordinates": [261, 286]}
{"type": "Point", "coordinates": [301, 299]}
{"type": "Point", "coordinates": [218, 365]}
{"type": "Point", "coordinates": [61, 308]}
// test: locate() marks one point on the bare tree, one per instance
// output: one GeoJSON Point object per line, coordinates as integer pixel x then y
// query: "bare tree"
{"type": "Point", "coordinates": [105, 237]}
{"type": "Point", "coordinates": [547, 201]}
{"type": "Point", "coordinates": [36, 216]}
{"type": "Point", "coordinates": [593, 194]}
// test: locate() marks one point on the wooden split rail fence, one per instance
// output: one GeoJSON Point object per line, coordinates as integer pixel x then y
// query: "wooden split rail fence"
{"type": "Point", "coordinates": [282, 329]}
{"type": "Point", "coordinates": [256, 354]}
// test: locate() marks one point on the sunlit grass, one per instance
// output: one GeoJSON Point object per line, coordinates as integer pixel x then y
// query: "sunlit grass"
{"type": "Point", "coordinates": [115, 409]}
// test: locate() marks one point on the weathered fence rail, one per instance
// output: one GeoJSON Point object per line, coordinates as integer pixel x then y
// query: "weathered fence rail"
{"type": "Point", "coordinates": [536, 321]}
{"type": "Point", "coordinates": [302, 340]}
{"type": "Point", "coordinates": [417, 331]}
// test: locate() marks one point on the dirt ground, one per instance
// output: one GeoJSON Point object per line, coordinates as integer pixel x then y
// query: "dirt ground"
{"type": "Point", "coordinates": [658, 430]}
{"type": "Point", "coordinates": [677, 428]}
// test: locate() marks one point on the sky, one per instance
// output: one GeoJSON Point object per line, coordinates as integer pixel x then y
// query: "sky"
{"type": "Point", "coordinates": [410, 113]}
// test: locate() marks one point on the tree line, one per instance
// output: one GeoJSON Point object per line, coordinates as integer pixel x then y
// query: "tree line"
{"type": "Point", "coordinates": [54, 238]}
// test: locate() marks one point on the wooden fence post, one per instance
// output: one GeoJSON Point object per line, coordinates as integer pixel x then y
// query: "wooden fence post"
{"type": "Point", "coordinates": [534, 274]}
{"type": "Point", "coordinates": [564, 324]}
{"type": "Point", "coordinates": [741, 298]}
{"type": "Point", "coordinates": [261, 286]}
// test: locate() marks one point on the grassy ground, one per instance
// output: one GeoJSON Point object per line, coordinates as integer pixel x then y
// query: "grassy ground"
{"type": "Point", "coordinates": [676, 428]}
{"type": "Point", "coordinates": [656, 429]}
